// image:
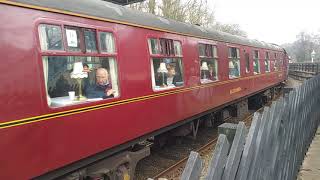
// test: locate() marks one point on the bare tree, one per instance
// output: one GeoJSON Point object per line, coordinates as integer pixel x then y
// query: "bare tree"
{"type": "Point", "coordinates": [191, 11]}
{"type": "Point", "coordinates": [188, 11]}
{"type": "Point", "coordinates": [152, 6]}
{"type": "Point", "coordinates": [230, 28]}
{"type": "Point", "coordinates": [138, 6]}
{"type": "Point", "coordinates": [198, 12]}
{"type": "Point", "coordinates": [173, 9]}
{"type": "Point", "coordinates": [301, 49]}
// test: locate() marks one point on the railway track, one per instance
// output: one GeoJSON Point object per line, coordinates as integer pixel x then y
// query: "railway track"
{"type": "Point", "coordinates": [169, 163]}
{"type": "Point", "coordinates": [174, 172]}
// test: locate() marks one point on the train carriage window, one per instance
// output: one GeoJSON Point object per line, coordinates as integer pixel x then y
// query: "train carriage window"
{"type": "Point", "coordinates": [73, 38]}
{"type": "Point", "coordinates": [81, 78]}
{"type": "Point", "coordinates": [177, 48]}
{"type": "Point", "coordinates": [267, 62]}
{"type": "Point", "coordinates": [167, 47]}
{"type": "Point", "coordinates": [234, 62]}
{"type": "Point", "coordinates": [50, 37]}
{"type": "Point", "coordinates": [277, 62]}
{"type": "Point", "coordinates": [166, 70]}
{"type": "Point", "coordinates": [208, 63]}
{"type": "Point", "coordinates": [280, 64]}
{"type": "Point", "coordinates": [256, 62]}
{"type": "Point", "coordinates": [107, 44]}
{"type": "Point", "coordinates": [272, 65]}
{"type": "Point", "coordinates": [153, 46]}
{"type": "Point", "coordinates": [247, 59]}
{"type": "Point", "coordinates": [90, 40]}
{"type": "Point", "coordinates": [76, 79]}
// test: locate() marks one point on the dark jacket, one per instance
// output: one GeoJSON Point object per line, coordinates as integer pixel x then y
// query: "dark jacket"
{"type": "Point", "coordinates": [97, 91]}
{"type": "Point", "coordinates": [160, 80]}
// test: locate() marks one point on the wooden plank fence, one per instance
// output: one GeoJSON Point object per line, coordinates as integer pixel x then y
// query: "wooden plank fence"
{"type": "Point", "coordinates": [275, 145]}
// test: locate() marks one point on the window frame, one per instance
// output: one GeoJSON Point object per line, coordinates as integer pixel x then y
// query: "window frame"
{"type": "Point", "coordinates": [215, 58]}
{"type": "Point", "coordinates": [41, 53]}
{"type": "Point", "coordinates": [81, 38]}
{"type": "Point", "coordinates": [97, 43]}
{"type": "Point", "coordinates": [248, 69]}
{"type": "Point", "coordinates": [37, 32]}
{"type": "Point", "coordinates": [256, 59]}
{"type": "Point", "coordinates": [161, 56]}
{"type": "Point", "coordinates": [238, 58]}
{"type": "Point", "coordinates": [277, 61]}
{"type": "Point", "coordinates": [267, 59]}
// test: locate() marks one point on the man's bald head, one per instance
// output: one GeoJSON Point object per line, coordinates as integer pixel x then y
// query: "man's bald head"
{"type": "Point", "coordinates": [102, 76]}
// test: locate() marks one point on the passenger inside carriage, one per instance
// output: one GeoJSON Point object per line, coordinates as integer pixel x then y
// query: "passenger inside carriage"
{"type": "Point", "coordinates": [212, 74]}
{"type": "Point", "coordinates": [208, 72]}
{"type": "Point", "coordinates": [102, 88]}
{"type": "Point", "coordinates": [102, 72]}
{"type": "Point", "coordinates": [169, 78]}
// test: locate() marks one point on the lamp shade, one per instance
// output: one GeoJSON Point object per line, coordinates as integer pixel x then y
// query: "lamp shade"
{"type": "Point", "coordinates": [204, 66]}
{"type": "Point", "coordinates": [231, 66]}
{"type": "Point", "coordinates": [162, 68]}
{"type": "Point", "coordinates": [78, 71]}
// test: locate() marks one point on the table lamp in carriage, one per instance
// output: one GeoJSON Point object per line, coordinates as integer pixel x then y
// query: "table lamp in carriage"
{"type": "Point", "coordinates": [78, 74]}
{"type": "Point", "coordinates": [162, 71]}
{"type": "Point", "coordinates": [204, 68]}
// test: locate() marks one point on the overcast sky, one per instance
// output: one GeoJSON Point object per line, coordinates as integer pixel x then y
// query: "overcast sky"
{"type": "Point", "coordinates": [274, 21]}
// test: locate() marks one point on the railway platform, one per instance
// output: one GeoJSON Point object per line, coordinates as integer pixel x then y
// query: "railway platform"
{"type": "Point", "coordinates": [310, 169]}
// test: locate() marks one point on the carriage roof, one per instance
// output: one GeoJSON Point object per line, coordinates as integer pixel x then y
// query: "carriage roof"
{"type": "Point", "coordinates": [120, 14]}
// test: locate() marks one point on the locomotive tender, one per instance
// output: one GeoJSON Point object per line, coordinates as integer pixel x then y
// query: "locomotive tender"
{"type": "Point", "coordinates": [45, 134]}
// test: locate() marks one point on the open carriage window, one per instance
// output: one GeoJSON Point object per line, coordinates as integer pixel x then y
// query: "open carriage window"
{"type": "Point", "coordinates": [208, 63]}
{"type": "Point", "coordinates": [82, 77]}
{"type": "Point", "coordinates": [166, 70]}
{"type": "Point", "coordinates": [50, 37]}
{"type": "Point", "coordinates": [167, 73]}
{"type": "Point", "coordinates": [234, 62]}
{"type": "Point", "coordinates": [256, 62]}
{"type": "Point", "coordinates": [75, 79]}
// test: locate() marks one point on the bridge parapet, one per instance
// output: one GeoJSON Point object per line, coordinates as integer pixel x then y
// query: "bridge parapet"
{"type": "Point", "coordinates": [303, 71]}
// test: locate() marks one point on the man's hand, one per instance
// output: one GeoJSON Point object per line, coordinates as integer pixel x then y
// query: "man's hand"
{"type": "Point", "coordinates": [109, 92]}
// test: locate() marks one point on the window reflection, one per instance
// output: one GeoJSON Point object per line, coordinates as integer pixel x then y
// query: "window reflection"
{"type": "Point", "coordinates": [107, 44]}
{"type": "Point", "coordinates": [90, 40]}
{"type": "Point", "coordinates": [50, 37]}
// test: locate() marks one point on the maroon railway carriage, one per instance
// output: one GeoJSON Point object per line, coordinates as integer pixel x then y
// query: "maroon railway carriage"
{"type": "Point", "coordinates": [46, 133]}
